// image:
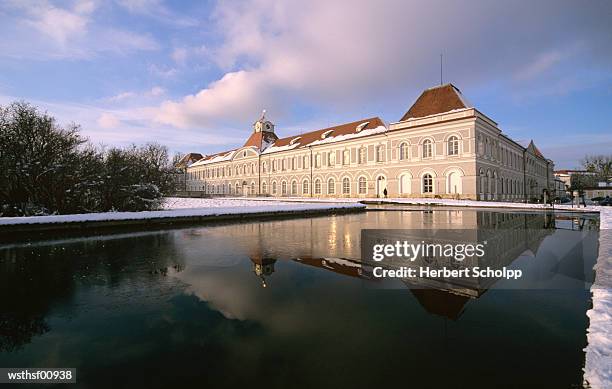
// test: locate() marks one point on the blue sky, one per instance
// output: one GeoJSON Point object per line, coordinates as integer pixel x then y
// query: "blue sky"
{"type": "Point", "coordinates": [194, 76]}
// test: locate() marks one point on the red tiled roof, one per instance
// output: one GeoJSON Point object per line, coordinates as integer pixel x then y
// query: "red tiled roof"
{"type": "Point", "coordinates": [189, 158]}
{"type": "Point", "coordinates": [436, 100]}
{"type": "Point", "coordinates": [258, 139]}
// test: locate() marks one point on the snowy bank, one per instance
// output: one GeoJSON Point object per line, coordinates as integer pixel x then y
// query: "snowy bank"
{"type": "Point", "coordinates": [424, 201]}
{"type": "Point", "coordinates": [178, 211]}
{"type": "Point", "coordinates": [598, 361]}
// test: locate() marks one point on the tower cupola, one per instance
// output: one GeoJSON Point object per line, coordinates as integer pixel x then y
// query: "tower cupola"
{"type": "Point", "coordinates": [263, 125]}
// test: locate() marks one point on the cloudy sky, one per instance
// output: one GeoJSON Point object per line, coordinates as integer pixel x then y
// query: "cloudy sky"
{"type": "Point", "coordinates": [195, 76]}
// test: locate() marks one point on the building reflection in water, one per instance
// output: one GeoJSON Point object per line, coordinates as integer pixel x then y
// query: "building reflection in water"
{"type": "Point", "coordinates": [511, 235]}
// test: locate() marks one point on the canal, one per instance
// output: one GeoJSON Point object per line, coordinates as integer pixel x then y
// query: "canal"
{"type": "Point", "coordinates": [284, 303]}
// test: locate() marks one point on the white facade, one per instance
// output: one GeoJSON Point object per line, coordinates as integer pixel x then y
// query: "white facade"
{"type": "Point", "coordinates": [459, 153]}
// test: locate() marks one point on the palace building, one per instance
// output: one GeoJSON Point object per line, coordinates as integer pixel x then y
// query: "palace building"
{"type": "Point", "coordinates": [441, 147]}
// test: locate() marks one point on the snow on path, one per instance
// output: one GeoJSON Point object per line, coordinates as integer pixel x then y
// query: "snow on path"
{"type": "Point", "coordinates": [217, 208]}
{"type": "Point", "coordinates": [187, 202]}
{"type": "Point", "coordinates": [423, 201]}
{"type": "Point", "coordinates": [598, 361]}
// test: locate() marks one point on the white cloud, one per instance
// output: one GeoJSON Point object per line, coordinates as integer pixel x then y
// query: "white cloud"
{"type": "Point", "coordinates": [42, 30]}
{"type": "Point", "coordinates": [162, 71]}
{"type": "Point", "coordinates": [108, 120]}
{"type": "Point", "coordinates": [330, 54]}
{"type": "Point", "coordinates": [179, 55]}
{"type": "Point", "coordinates": [121, 96]}
{"type": "Point", "coordinates": [58, 23]}
{"type": "Point", "coordinates": [156, 91]}
{"type": "Point", "coordinates": [157, 10]}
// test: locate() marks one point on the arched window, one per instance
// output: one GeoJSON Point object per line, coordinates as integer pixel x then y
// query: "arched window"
{"type": "Point", "coordinates": [331, 186]}
{"type": "Point", "coordinates": [427, 148]}
{"type": "Point", "coordinates": [317, 186]}
{"type": "Point", "coordinates": [305, 188]}
{"type": "Point", "coordinates": [427, 183]}
{"type": "Point", "coordinates": [264, 187]}
{"type": "Point", "coordinates": [252, 188]}
{"type": "Point", "coordinates": [294, 187]}
{"type": "Point", "coordinates": [380, 153]}
{"type": "Point", "coordinates": [453, 145]}
{"type": "Point", "coordinates": [346, 186]}
{"type": "Point", "coordinates": [403, 151]}
{"type": "Point", "coordinates": [237, 188]}
{"type": "Point", "coordinates": [363, 188]}
{"type": "Point", "coordinates": [273, 187]}
{"type": "Point", "coordinates": [284, 188]}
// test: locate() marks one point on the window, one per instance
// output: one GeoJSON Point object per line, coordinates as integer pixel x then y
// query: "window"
{"type": "Point", "coordinates": [294, 188]}
{"type": "Point", "coordinates": [318, 160]}
{"type": "Point", "coordinates": [317, 186]}
{"type": "Point", "coordinates": [363, 189]}
{"type": "Point", "coordinates": [403, 151]}
{"type": "Point", "coordinates": [305, 187]}
{"type": "Point", "coordinates": [453, 145]}
{"type": "Point", "coordinates": [264, 188]}
{"type": "Point", "coordinates": [237, 187]}
{"type": "Point", "coordinates": [331, 158]}
{"type": "Point", "coordinates": [346, 186]}
{"type": "Point", "coordinates": [346, 157]}
{"type": "Point", "coordinates": [252, 188]}
{"type": "Point", "coordinates": [427, 148]}
{"type": "Point", "coordinates": [427, 183]}
{"type": "Point", "coordinates": [305, 164]}
{"type": "Point", "coordinates": [362, 155]}
{"type": "Point", "coordinates": [263, 167]}
{"type": "Point", "coordinates": [284, 188]}
{"type": "Point", "coordinates": [331, 186]}
{"type": "Point", "coordinates": [273, 187]}
{"type": "Point", "coordinates": [380, 153]}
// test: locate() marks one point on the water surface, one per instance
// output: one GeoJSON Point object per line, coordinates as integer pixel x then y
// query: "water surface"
{"type": "Point", "coordinates": [266, 304]}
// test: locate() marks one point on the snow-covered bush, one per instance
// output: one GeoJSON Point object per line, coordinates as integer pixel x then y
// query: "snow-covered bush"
{"type": "Point", "coordinates": [45, 168]}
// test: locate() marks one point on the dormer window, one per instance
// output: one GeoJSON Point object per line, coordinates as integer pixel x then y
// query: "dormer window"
{"type": "Point", "coordinates": [295, 140]}
{"type": "Point", "coordinates": [326, 134]}
{"type": "Point", "coordinates": [361, 126]}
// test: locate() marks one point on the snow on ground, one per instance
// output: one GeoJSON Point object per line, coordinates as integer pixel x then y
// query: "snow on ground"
{"type": "Point", "coordinates": [185, 202]}
{"type": "Point", "coordinates": [175, 207]}
{"type": "Point", "coordinates": [598, 361]}
{"type": "Point", "coordinates": [422, 201]}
